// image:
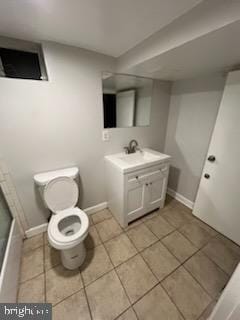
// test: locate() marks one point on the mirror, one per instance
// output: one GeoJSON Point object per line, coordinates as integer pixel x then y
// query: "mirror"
{"type": "Point", "coordinates": [126, 100]}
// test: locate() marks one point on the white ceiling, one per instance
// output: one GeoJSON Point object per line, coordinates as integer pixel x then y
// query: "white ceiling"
{"type": "Point", "coordinates": [106, 26]}
{"type": "Point", "coordinates": [215, 52]}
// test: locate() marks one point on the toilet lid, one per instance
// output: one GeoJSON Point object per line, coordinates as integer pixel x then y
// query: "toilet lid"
{"type": "Point", "coordinates": [60, 194]}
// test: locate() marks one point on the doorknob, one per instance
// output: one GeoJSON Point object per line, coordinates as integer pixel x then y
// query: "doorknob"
{"type": "Point", "coordinates": [211, 158]}
{"type": "Point", "coordinates": [207, 176]}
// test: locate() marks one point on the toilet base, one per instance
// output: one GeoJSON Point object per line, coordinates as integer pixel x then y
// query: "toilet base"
{"type": "Point", "coordinates": [73, 258]}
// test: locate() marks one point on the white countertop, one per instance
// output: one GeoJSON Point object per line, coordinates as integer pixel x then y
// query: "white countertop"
{"type": "Point", "coordinates": [138, 160]}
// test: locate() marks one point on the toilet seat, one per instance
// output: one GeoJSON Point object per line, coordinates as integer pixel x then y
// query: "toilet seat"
{"type": "Point", "coordinates": [61, 193]}
{"type": "Point", "coordinates": [61, 196]}
{"type": "Point", "coordinates": [60, 241]}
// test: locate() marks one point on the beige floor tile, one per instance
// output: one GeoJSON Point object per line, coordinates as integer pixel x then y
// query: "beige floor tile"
{"type": "Point", "coordinates": [222, 255]}
{"type": "Point", "coordinates": [101, 216]}
{"type": "Point", "coordinates": [176, 217]}
{"type": "Point", "coordinates": [136, 277]}
{"type": "Point", "coordinates": [133, 224]}
{"type": "Point", "coordinates": [160, 260]}
{"type": "Point", "coordinates": [208, 311]}
{"type": "Point", "coordinates": [33, 243]}
{"type": "Point", "coordinates": [159, 226]}
{"type": "Point", "coordinates": [156, 305]}
{"type": "Point", "coordinates": [32, 264]}
{"type": "Point", "coordinates": [73, 308]}
{"type": "Point", "coordinates": [108, 229]}
{"type": "Point", "coordinates": [141, 236]}
{"type": "Point", "coordinates": [196, 234]}
{"type": "Point", "coordinates": [179, 246]}
{"type": "Point", "coordinates": [207, 273]}
{"type": "Point", "coordinates": [90, 220]}
{"type": "Point", "coordinates": [120, 249]}
{"type": "Point", "coordinates": [52, 257]}
{"type": "Point", "coordinates": [203, 225]}
{"type": "Point", "coordinates": [151, 215]}
{"type": "Point", "coordinates": [186, 293]}
{"type": "Point", "coordinates": [228, 243]}
{"type": "Point", "coordinates": [45, 239]}
{"type": "Point", "coordinates": [95, 265]}
{"type": "Point", "coordinates": [170, 201]}
{"type": "Point", "coordinates": [61, 283]}
{"type": "Point", "coordinates": [107, 298]}
{"type": "Point", "coordinates": [182, 207]}
{"type": "Point", "coordinates": [92, 239]}
{"type": "Point", "coordinates": [128, 315]}
{"type": "Point", "coordinates": [32, 291]}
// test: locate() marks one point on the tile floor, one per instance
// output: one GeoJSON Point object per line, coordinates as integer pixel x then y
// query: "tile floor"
{"type": "Point", "coordinates": [166, 266]}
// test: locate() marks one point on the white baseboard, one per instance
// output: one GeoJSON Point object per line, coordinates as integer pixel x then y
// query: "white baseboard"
{"type": "Point", "coordinates": [36, 230]}
{"type": "Point", "coordinates": [180, 198]}
{"type": "Point", "coordinates": [43, 227]}
{"type": "Point", "coordinates": [96, 208]}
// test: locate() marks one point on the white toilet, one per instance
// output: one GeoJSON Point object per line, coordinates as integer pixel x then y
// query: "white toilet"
{"type": "Point", "coordinates": [68, 226]}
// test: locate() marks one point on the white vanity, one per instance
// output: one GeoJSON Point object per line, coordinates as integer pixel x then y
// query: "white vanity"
{"type": "Point", "coordinates": [136, 183]}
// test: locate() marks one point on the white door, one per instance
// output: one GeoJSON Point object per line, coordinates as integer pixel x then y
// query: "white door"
{"type": "Point", "coordinates": [228, 306]}
{"type": "Point", "coordinates": [218, 198]}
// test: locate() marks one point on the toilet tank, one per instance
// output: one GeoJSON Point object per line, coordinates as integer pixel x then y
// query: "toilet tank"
{"type": "Point", "coordinates": [41, 179]}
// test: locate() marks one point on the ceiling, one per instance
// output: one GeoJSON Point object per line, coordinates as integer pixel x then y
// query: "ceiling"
{"type": "Point", "coordinates": [215, 52]}
{"type": "Point", "coordinates": [106, 26]}
{"type": "Point", "coordinates": [118, 82]}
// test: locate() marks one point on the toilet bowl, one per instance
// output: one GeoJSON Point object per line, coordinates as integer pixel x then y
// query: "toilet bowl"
{"type": "Point", "coordinates": [66, 232]}
{"type": "Point", "coordinates": [69, 225]}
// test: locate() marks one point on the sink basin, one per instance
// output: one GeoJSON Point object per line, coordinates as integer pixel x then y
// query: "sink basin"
{"type": "Point", "coordinates": [138, 160]}
{"type": "Point", "coordinates": [139, 157]}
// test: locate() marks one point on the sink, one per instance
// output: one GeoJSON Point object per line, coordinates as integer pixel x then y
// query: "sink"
{"type": "Point", "coordinates": [138, 160]}
{"type": "Point", "coordinates": [139, 157]}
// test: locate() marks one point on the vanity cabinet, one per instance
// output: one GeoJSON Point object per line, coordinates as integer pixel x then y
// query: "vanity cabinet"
{"type": "Point", "coordinates": [134, 193]}
{"type": "Point", "coordinates": [145, 191]}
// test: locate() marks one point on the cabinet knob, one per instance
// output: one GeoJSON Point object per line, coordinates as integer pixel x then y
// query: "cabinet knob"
{"type": "Point", "coordinates": [150, 183]}
{"type": "Point", "coordinates": [207, 176]}
{"type": "Point", "coordinates": [147, 184]}
{"type": "Point", "coordinates": [136, 177]}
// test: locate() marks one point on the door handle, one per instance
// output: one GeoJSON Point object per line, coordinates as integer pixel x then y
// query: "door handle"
{"type": "Point", "coordinates": [211, 158]}
{"type": "Point", "coordinates": [207, 176]}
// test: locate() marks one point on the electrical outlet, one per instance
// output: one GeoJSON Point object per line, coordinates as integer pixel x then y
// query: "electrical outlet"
{"type": "Point", "coordinates": [105, 135]}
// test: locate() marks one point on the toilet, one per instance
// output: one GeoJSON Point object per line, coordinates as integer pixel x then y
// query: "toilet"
{"type": "Point", "coordinates": [69, 225]}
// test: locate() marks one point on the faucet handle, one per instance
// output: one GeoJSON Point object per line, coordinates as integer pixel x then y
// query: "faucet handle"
{"type": "Point", "coordinates": [126, 149]}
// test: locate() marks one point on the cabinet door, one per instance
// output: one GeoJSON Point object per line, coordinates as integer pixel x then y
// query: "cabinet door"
{"type": "Point", "coordinates": [135, 200]}
{"type": "Point", "coordinates": [156, 192]}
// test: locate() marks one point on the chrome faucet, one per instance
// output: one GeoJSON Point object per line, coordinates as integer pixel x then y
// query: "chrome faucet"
{"type": "Point", "coordinates": [132, 147]}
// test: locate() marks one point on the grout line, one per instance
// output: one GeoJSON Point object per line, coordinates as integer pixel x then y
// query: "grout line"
{"type": "Point", "coordinates": [114, 269]}
{"type": "Point", "coordinates": [44, 274]}
{"type": "Point", "coordinates": [72, 294]}
{"type": "Point", "coordinates": [173, 302]}
{"type": "Point", "coordinates": [126, 311]}
{"type": "Point", "coordinates": [84, 289]}
{"type": "Point", "coordinates": [39, 274]}
{"type": "Point", "coordinates": [139, 252]}
{"type": "Point", "coordinates": [102, 275]}
{"type": "Point", "coordinates": [206, 309]}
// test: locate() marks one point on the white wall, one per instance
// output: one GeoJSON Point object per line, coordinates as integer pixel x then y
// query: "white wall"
{"type": "Point", "coordinates": [192, 115]}
{"type": "Point", "coordinates": [58, 123]}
